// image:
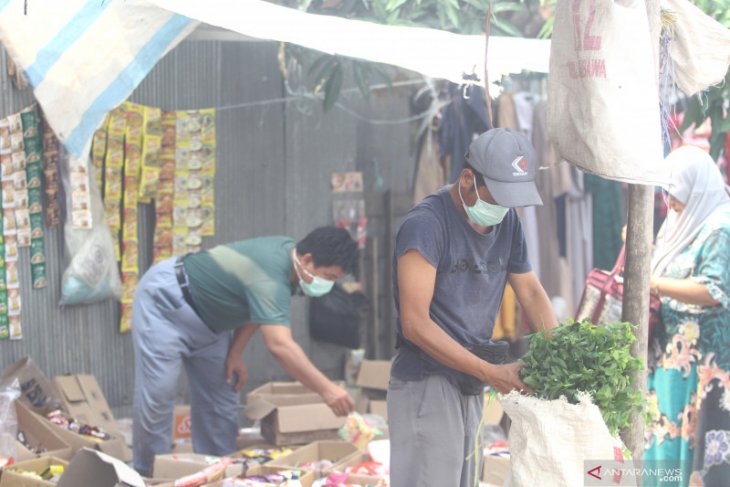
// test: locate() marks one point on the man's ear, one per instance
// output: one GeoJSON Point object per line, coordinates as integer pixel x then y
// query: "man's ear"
{"type": "Point", "coordinates": [307, 259]}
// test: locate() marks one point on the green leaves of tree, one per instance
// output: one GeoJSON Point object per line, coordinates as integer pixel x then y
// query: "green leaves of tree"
{"type": "Point", "coordinates": [582, 357]}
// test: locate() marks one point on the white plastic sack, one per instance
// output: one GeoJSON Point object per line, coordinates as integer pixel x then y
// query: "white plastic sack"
{"type": "Point", "coordinates": [603, 101]}
{"type": "Point", "coordinates": [93, 274]}
{"type": "Point", "coordinates": [550, 441]}
{"type": "Point", "coordinates": [700, 47]}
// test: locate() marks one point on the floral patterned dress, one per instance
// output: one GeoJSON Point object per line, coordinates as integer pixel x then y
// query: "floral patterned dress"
{"type": "Point", "coordinates": [689, 373]}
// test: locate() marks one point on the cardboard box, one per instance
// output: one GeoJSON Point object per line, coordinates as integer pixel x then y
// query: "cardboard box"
{"type": "Point", "coordinates": [493, 411]}
{"type": "Point", "coordinates": [374, 374]}
{"type": "Point", "coordinates": [173, 466]}
{"type": "Point", "coordinates": [84, 401]}
{"type": "Point", "coordinates": [378, 407]}
{"type": "Point", "coordinates": [307, 479]}
{"type": "Point", "coordinates": [291, 414]}
{"type": "Point", "coordinates": [39, 434]}
{"type": "Point", "coordinates": [496, 470]}
{"type": "Point", "coordinates": [11, 477]}
{"type": "Point", "coordinates": [334, 451]}
{"type": "Point", "coordinates": [91, 467]}
{"type": "Point", "coordinates": [181, 423]}
{"type": "Point", "coordinates": [115, 447]}
{"type": "Point", "coordinates": [36, 390]}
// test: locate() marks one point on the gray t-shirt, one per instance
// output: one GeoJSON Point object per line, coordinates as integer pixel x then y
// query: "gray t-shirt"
{"type": "Point", "coordinates": [471, 274]}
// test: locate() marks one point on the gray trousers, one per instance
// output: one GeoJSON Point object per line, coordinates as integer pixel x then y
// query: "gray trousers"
{"type": "Point", "coordinates": [167, 336]}
{"type": "Point", "coordinates": [432, 433]}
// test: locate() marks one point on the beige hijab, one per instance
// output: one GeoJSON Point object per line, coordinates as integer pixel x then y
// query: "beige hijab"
{"type": "Point", "coordinates": [695, 181]}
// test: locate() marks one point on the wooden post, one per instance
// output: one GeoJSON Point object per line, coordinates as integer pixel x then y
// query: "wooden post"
{"type": "Point", "coordinates": [636, 296]}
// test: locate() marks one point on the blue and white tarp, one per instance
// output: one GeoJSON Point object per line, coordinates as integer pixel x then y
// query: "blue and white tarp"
{"type": "Point", "coordinates": [85, 57]}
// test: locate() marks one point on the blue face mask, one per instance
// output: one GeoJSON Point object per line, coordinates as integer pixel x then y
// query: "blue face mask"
{"type": "Point", "coordinates": [482, 213]}
{"type": "Point", "coordinates": [318, 287]}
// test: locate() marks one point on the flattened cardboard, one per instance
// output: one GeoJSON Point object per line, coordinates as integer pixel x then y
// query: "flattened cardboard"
{"type": "Point", "coordinates": [10, 477]}
{"type": "Point", "coordinates": [290, 414]}
{"type": "Point", "coordinates": [176, 465]}
{"type": "Point", "coordinates": [39, 434]}
{"type": "Point", "coordinates": [374, 374]}
{"type": "Point", "coordinates": [319, 450]}
{"type": "Point", "coordinates": [91, 467]}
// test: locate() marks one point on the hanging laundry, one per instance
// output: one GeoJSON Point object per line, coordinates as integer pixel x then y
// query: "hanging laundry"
{"type": "Point", "coordinates": [463, 118]}
{"type": "Point", "coordinates": [608, 216]}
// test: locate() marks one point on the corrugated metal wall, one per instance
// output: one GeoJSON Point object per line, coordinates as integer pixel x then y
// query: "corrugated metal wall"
{"type": "Point", "coordinates": [273, 177]}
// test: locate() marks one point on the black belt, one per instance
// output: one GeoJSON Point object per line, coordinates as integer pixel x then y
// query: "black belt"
{"type": "Point", "coordinates": [182, 280]}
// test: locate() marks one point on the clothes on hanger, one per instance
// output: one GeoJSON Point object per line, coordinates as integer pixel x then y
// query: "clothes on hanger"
{"type": "Point", "coordinates": [462, 120]}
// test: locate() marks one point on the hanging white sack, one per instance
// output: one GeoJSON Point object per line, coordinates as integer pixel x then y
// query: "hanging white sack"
{"type": "Point", "coordinates": [558, 443]}
{"type": "Point", "coordinates": [700, 47]}
{"type": "Point", "coordinates": [603, 102]}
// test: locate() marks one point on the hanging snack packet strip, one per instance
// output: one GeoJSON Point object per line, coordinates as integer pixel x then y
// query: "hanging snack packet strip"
{"type": "Point", "coordinates": [113, 168]}
{"type": "Point", "coordinates": [11, 199]}
{"type": "Point", "coordinates": [185, 238]}
{"type": "Point", "coordinates": [136, 121]}
{"type": "Point", "coordinates": [50, 171]}
{"type": "Point", "coordinates": [98, 152]}
{"type": "Point", "coordinates": [34, 170]}
{"type": "Point", "coordinates": [166, 191]}
{"type": "Point", "coordinates": [207, 157]}
{"type": "Point", "coordinates": [20, 194]}
{"type": "Point", "coordinates": [151, 147]}
{"type": "Point", "coordinates": [4, 323]}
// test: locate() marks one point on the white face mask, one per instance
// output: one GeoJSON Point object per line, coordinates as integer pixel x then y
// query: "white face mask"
{"type": "Point", "coordinates": [482, 213]}
{"type": "Point", "coordinates": [318, 287]}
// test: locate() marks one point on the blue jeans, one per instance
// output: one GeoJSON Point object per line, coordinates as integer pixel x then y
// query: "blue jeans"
{"type": "Point", "coordinates": [168, 335]}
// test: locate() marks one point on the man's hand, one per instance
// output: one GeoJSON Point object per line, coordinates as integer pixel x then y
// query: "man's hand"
{"type": "Point", "coordinates": [339, 400]}
{"type": "Point", "coordinates": [505, 378]}
{"type": "Point", "coordinates": [234, 364]}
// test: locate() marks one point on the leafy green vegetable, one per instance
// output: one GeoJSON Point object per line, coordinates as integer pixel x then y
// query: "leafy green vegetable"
{"type": "Point", "coordinates": [583, 357]}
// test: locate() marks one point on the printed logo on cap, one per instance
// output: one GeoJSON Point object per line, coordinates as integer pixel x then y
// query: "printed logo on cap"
{"type": "Point", "coordinates": [520, 165]}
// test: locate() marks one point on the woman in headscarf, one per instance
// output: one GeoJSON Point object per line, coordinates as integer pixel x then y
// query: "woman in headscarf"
{"type": "Point", "coordinates": [689, 373]}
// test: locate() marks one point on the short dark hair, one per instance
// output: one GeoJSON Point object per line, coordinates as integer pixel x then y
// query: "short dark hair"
{"type": "Point", "coordinates": [330, 246]}
{"type": "Point", "coordinates": [477, 174]}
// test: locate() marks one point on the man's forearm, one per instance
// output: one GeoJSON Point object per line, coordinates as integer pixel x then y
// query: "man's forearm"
{"type": "Point", "coordinates": [241, 338]}
{"type": "Point", "coordinates": [540, 312]}
{"type": "Point", "coordinates": [295, 362]}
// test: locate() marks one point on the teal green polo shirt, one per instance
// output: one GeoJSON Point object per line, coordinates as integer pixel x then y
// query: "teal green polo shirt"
{"type": "Point", "coordinates": [242, 282]}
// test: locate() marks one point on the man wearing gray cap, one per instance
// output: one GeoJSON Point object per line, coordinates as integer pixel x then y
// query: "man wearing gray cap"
{"type": "Point", "coordinates": [454, 254]}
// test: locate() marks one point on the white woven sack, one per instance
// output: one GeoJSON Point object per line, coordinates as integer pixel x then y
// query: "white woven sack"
{"type": "Point", "coordinates": [603, 102]}
{"type": "Point", "coordinates": [700, 47]}
{"type": "Point", "coordinates": [549, 441]}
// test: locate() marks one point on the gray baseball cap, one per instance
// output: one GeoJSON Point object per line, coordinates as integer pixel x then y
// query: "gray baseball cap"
{"type": "Point", "coordinates": [508, 163]}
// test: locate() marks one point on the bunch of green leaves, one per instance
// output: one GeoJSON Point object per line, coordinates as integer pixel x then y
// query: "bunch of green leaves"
{"type": "Point", "coordinates": [586, 358]}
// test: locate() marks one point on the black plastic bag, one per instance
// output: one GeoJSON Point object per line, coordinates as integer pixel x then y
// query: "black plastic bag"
{"type": "Point", "coordinates": [335, 317]}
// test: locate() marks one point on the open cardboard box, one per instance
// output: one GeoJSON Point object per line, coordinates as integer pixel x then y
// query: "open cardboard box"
{"type": "Point", "coordinates": [39, 434]}
{"type": "Point", "coordinates": [11, 477]}
{"type": "Point", "coordinates": [173, 466]}
{"type": "Point", "coordinates": [307, 479]}
{"type": "Point", "coordinates": [374, 374]}
{"type": "Point", "coordinates": [83, 399]}
{"type": "Point", "coordinates": [115, 446]}
{"type": "Point", "coordinates": [291, 414]}
{"type": "Point", "coordinates": [334, 451]}
{"type": "Point", "coordinates": [91, 467]}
